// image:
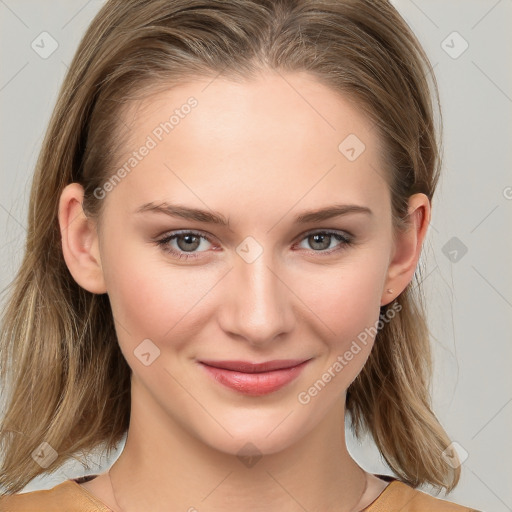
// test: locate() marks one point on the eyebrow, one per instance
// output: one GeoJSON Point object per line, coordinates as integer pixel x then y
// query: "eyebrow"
{"type": "Point", "coordinates": [212, 217]}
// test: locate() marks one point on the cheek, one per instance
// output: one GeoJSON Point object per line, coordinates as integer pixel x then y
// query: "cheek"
{"type": "Point", "coordinates": [345, 302]}
{"type": "Point", "coordinates": [345, 298]}
{"type": "Point", "coordinates": [150, 298]}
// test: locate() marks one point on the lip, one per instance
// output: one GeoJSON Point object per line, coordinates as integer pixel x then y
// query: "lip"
{"type": "Point", "coordinates": [247, 367]}
{"type": "Point", "coordinates": [255, 379]}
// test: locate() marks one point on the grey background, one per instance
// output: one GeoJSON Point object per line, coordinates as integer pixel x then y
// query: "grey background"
{"type": "Point", "coordinates": [469, 293]}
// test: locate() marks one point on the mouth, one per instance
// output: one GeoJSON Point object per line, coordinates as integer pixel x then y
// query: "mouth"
{"type": "Point", "coordinates": [247, 367]}
{"type": "Point", "coordinates": [254, 379]}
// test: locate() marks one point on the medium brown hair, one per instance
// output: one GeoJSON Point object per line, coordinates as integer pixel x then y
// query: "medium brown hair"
{"type": "Point", "coordinates": [64, 377]}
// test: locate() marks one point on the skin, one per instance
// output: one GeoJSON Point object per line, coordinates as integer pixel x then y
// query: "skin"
{"type": "Point", "coordinates": [260, 153]}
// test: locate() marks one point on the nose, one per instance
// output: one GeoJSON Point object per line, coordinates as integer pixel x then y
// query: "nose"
{"type": "Point", "coordinates": [258, 305]}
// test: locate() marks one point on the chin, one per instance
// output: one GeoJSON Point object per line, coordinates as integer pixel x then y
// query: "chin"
{"type": "Point", "coordinates": [252, 445]}
{"type": "Point", "coordinates": [247, 436]}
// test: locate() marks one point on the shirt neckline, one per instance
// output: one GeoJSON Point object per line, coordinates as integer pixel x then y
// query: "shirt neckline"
{"type": "Point", "coordinates": [393, 482]}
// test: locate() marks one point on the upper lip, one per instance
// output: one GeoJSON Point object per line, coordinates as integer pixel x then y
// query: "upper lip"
{"type": "Point", "coordinates": [248, 367]}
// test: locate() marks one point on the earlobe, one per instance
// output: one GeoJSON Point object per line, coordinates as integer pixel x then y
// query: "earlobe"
{"type": "Point", "coordinates": [407, 248]}
{"type": "Point", "coordinates": [80, 241]}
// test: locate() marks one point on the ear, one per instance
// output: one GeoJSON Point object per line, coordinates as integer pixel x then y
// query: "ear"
{"type": "Point", "coordinates": [407, 248]}
{"type": "Point", "coordinates": [80, 241]}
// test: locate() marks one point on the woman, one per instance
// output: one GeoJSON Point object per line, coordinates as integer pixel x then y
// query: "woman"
{"type": "Point", "coordinates": [225, 223]}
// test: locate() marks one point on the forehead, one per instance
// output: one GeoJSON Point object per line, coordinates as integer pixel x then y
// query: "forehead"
{"type": "Point", "coordinates": [285, 136]}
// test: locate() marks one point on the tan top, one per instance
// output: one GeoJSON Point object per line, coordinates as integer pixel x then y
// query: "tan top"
{"type": "Point", "coordinates": [70, 496]}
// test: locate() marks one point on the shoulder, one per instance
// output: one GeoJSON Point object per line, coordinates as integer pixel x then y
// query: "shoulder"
{"type": "Point", "coordinates": [400, 496]}
{"type": "Point", "coordinates": [64, 497]}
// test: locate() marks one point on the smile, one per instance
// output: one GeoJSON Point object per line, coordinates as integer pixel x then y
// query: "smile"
{"type": "Point", "coordinates": [254, 379]}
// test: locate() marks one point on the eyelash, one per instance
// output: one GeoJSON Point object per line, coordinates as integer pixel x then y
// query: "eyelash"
{"type": "Point", "coordinates": [345, 239]}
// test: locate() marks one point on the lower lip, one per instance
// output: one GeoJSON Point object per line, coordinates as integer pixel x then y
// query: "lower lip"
{"type": "Point", "coordinates": [255, 384]}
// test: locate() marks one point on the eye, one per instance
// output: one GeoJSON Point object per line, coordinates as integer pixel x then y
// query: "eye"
{"type": "Point", "coordinates": [186, 242]}
{"type": "Point", "coordinates": [321, 240]}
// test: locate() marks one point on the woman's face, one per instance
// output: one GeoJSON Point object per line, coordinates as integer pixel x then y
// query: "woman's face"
{"type": "Point", "coordinates": [274, 282]}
